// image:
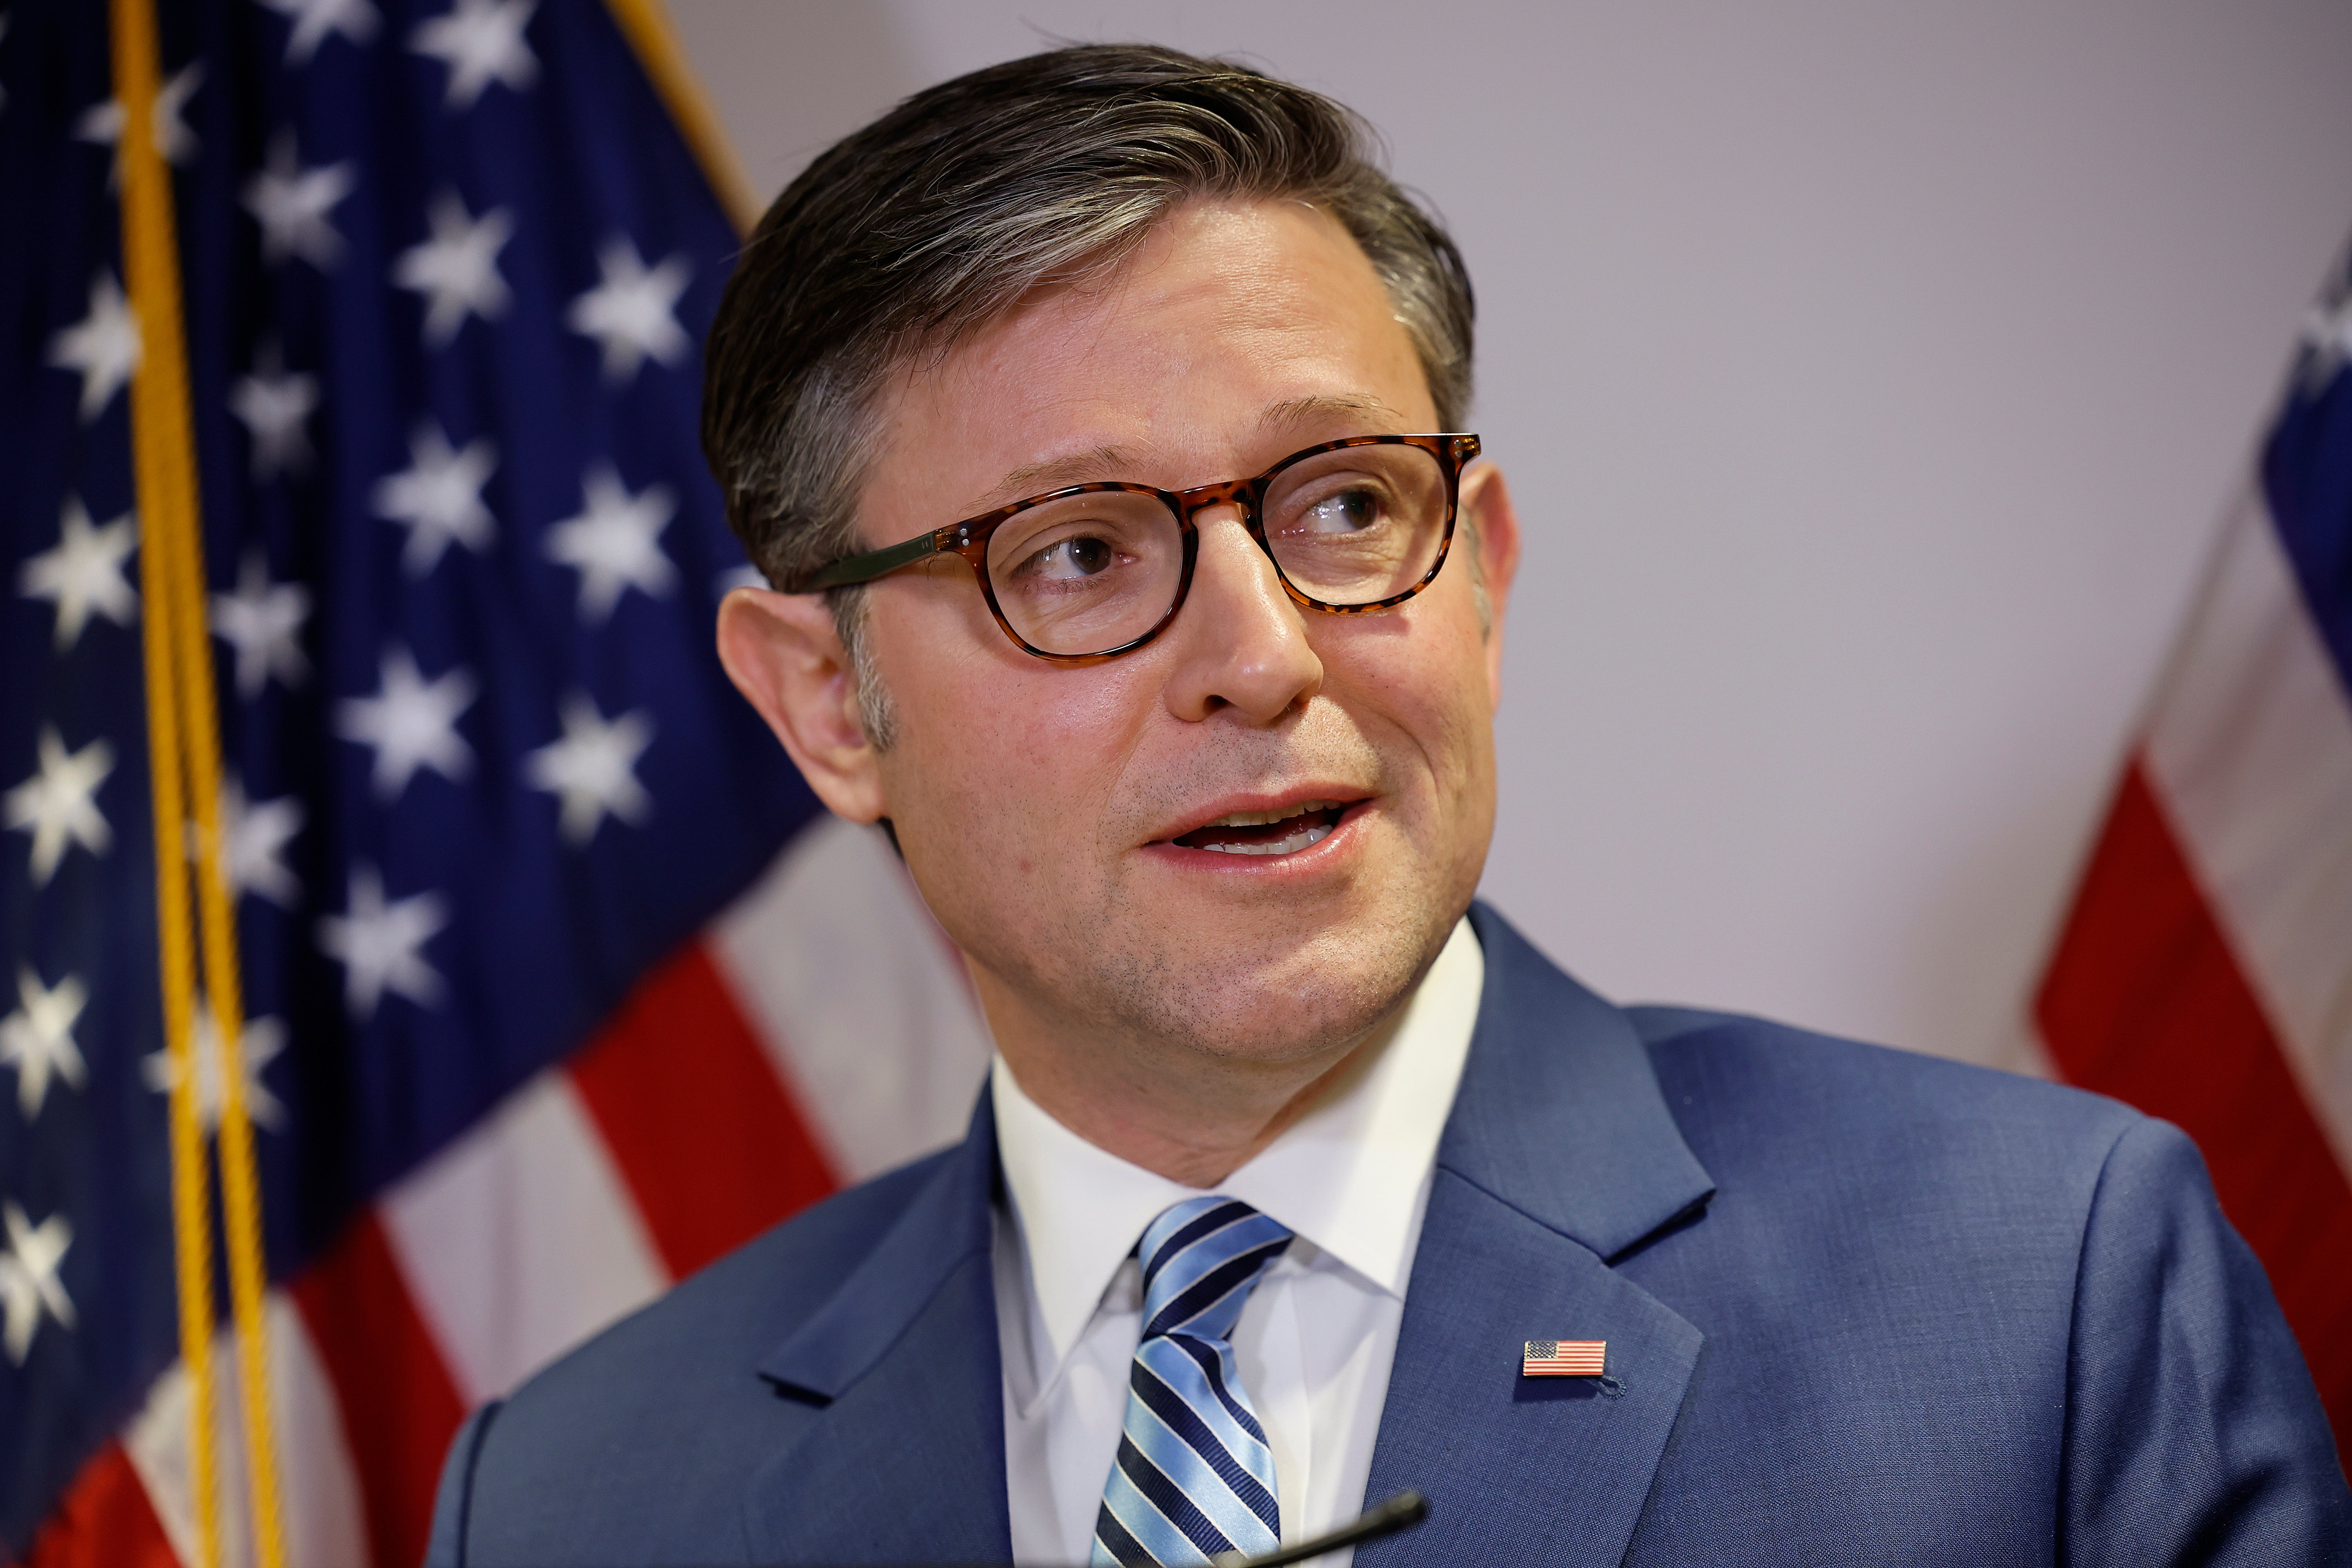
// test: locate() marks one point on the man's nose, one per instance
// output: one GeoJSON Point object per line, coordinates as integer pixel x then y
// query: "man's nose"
{"type": "Point", "coordinates": [1242, 643]}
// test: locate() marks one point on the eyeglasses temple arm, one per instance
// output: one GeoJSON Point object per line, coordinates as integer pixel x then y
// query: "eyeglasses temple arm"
{"type": "Point", "coordinates": [866, 567]}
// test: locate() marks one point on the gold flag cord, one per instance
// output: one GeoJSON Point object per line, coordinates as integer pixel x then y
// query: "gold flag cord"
{"type": "Point", "coordinates": [184, 746]}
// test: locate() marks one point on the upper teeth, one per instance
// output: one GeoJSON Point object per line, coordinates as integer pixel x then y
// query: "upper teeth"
{"type": "Point", "coordinates": [1259, 819]}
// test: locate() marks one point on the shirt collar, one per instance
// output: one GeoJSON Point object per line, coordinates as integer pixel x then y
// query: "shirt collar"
{"type": "Point", "coordinates": [1349, 1177]}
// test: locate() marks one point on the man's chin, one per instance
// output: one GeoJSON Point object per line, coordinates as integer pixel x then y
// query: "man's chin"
{"type": "Point", "coordinates": [1275, 997]}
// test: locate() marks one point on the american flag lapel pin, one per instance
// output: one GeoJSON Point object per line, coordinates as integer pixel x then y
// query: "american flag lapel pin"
{"type": "Point", "coordinates": [1564, 1358]}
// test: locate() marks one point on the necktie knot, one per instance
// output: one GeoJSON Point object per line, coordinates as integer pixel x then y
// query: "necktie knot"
{"type": "Point", "coordinates": [1200, 1258]}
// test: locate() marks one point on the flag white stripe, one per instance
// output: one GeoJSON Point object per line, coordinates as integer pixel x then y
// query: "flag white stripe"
{"type": "Point", "coordinates": [2250, 746]}
{"type": "Point", "coordinates": [521, 1239]}
{"type": "Point", "coordinates": [850, 987]}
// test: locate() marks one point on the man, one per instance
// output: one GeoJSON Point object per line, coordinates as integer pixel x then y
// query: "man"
{"type": "Point", "coordinates": [1098, 417]}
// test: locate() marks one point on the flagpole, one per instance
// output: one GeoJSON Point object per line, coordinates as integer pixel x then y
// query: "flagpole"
{"type": "Point", "coordinates": [185, 764]}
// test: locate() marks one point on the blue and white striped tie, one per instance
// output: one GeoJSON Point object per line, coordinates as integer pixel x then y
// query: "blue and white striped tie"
{"type": "Point", "coordinates": [1193, 1477]}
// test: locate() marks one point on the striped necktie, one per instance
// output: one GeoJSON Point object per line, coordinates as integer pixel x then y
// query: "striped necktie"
{"type": "Point", "coordinates": [1193, 1477]}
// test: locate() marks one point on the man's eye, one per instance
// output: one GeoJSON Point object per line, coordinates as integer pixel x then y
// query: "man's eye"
{"type": "Point", "coordinates": [1078, 556]}
{"type": "Point", "coordinates": [1342, 511]}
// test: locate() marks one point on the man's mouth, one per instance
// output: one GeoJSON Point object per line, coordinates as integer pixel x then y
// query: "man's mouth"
{"type": "Point", "coordinates": [1281, 832]}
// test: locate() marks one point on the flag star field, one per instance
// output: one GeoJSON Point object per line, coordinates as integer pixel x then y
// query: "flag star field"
{"type": "Point", "coordinates": [444, 268]}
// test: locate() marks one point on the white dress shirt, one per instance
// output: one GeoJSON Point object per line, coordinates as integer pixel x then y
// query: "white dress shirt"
{"type": "Point", "coordinates": [1315, 1341]}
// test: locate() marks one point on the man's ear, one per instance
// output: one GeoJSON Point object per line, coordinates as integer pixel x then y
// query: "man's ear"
{"type": "Point", "coordinates": [784, 655]}
{"type": "Point", "coordinates": [1493, 527]}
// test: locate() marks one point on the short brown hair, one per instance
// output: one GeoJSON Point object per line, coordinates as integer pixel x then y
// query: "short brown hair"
{"type": "Point", "coordinates": [941, 216]}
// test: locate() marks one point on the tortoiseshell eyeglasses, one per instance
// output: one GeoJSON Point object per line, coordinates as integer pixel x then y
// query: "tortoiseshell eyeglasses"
{"type": "Point", "coordinates": [1094, 571]}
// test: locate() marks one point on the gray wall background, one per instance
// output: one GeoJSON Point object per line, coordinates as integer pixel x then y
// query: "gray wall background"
{"type": "Point", "coordinates": [1871, 377]}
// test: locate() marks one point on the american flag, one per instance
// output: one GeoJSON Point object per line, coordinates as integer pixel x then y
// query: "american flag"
{"type": "Point", "coordinates": [2205, 971]}
{"type": "Point", "coordinates": [556, 982]}
{"type": "Point", "coordinates": [1564, 1358]}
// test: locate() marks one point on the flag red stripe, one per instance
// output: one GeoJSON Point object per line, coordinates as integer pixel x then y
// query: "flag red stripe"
{"type": "Point", "coordinates": [104, 1520]}
{"type": "Point", "coordinates": [2145, 1000]}
{"type": "Point", "coordinates": [711, 1145]}
{"type": "Point", "coordinates": [400, 1406]}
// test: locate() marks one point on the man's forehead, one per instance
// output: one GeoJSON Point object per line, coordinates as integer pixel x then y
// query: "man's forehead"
{"type": "Point", "coordinates": [1306, 419]}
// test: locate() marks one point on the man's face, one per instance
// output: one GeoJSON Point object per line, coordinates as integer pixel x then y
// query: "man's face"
{"type": "Point", "coordinates": [1052, 816]}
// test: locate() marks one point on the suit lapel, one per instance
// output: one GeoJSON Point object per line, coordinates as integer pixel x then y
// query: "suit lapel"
{"type": "Point", "coordinates": [906, 1461]}
{"type": "Point", "coordinates": [1559, 1158]}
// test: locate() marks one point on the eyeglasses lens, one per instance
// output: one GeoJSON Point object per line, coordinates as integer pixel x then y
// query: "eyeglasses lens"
{"type": "Point", "coordinates": [1086, 572]}
{"type": "Point", "coordinates": [1357, 525]}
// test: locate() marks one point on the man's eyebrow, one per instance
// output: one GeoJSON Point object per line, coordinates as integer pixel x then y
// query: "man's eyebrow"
{"type": "Point", "coordinates": [1077, 467]}
{"type": "Point", "coordinates": [1325, 407]}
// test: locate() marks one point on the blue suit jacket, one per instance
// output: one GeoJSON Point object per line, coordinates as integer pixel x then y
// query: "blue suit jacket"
{"type": "Point", "coordinates": [1861, 1307]}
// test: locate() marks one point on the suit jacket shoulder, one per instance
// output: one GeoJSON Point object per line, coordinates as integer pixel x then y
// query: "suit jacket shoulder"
{"type": "Point", "coordinates": [648, 1443]}
{"type": "Point", "coordinates": [1859, 1306]}
{"type": "Point", "coordinates": [1971, 1308]}
{"type": "Point", "coordinates": [1788, 1107]}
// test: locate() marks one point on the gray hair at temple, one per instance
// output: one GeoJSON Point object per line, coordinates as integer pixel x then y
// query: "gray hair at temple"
{"type": "Point", "coordinates": [938, 218]}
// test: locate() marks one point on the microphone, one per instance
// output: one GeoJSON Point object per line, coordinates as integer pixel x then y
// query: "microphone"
{"type": "Point", "coordinates": [1401, 1511]}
